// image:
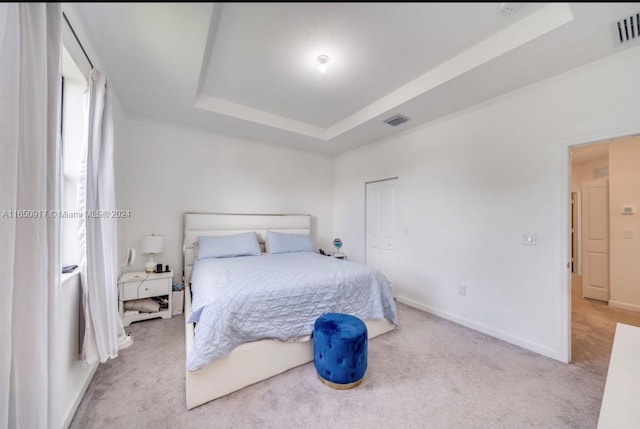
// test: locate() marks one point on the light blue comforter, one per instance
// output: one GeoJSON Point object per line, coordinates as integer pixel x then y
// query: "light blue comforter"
{"type": "Point", "coordinates": [236, 300]}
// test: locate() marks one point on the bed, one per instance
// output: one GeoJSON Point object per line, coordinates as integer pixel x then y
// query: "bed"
{"type": "Point", "coordinates": [258, 359]}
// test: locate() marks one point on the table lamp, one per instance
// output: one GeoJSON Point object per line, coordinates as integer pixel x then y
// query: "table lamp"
{"type": "Point", "coordinates": [337, 243]}
{"type": "Point", "coordinates": [151, 244]}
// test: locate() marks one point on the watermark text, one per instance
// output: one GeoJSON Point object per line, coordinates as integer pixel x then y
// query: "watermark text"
{"type": "Point", "coordinates": [65, 214]}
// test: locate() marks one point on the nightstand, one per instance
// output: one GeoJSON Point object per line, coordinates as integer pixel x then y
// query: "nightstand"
{"type": "Point", "coordinates": [142, 285]}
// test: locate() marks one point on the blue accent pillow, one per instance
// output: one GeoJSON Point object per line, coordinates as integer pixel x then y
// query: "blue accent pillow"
{"type": "Point", "coordinates": [281, 242]}
{"type": "Point", "coordinates": [227, 246]}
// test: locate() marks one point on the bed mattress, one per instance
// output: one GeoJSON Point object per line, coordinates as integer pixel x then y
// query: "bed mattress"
{"type": "Point", "coordinates": [242, 299]}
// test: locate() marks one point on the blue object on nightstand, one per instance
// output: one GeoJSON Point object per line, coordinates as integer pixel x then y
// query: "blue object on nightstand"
{"type": "Point", "coordinates": [340, 350]}
{"type": "Point", "coordinates": [337, 243]}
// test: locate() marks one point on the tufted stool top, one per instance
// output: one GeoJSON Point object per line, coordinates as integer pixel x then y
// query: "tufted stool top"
{"type": "Point", "coordinates": [340, 350]}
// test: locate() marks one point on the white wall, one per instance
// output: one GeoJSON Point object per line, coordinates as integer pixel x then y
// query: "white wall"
{"type": "Point", "coordinates": [166, 170]}
{"type": "Point", "coordinates": [70, 376]}
{"type": "Point", "coordinates": [624, 186]}
{"type": "Point", "coordinates": [472, 183]}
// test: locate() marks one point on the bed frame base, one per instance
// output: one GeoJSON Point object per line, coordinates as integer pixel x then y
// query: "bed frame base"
{"type": "Point", "coordinates": [250, 363]}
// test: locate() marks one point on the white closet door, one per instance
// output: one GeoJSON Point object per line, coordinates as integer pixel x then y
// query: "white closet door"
{"type": "Point", "coordinates": [381, 227]}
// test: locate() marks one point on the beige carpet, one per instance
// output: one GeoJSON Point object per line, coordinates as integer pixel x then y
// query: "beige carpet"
{"type": "Point", "coordinates": [428, 373]}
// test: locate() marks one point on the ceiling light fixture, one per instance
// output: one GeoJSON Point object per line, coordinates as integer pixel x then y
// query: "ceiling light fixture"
{"type": "Point", "coordinates": [509, 8]}
{"type": "Point", "coordinates": [323, 60]}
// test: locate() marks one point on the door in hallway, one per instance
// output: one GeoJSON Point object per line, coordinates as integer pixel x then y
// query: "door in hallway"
{"type": "Point", "coordinates": [381, 227]}
{"type": "Point", "coordinates": [595, 239]}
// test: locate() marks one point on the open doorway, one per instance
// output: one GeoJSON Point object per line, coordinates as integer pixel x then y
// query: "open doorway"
{"type": "Point", "coordinates": [605, 244]}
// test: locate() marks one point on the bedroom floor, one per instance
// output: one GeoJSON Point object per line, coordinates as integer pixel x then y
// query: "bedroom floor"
{"type": "Point", "coordinates": [593, 327]}
{"type": "Point", "coordinates": [429, 372]}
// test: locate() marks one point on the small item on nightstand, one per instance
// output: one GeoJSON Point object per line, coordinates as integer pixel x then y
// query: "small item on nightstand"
{"type": "Point", "coordinates": [337, 243]}
{"type": "Point", "coordinates": [322, 252]}
{"type": "Point", "coordinates": [162, 301]}
{"type": "Point", "coordinates": [159, 268]}
{"type": "Point", "coordinates": [69, 269]}
{"type": "Point", "coordinates": [166, 269]}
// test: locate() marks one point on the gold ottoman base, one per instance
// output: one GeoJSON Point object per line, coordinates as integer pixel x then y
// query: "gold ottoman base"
{"type": "Point", "coordinates": [339, 386]}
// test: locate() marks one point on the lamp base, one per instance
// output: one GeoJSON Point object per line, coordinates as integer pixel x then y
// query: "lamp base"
{"type": "Point", "coordinates": [150, 266]}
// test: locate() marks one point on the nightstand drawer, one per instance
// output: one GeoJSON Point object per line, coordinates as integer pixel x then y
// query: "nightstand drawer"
{"type": "Point", "coordinates": [145, 289]}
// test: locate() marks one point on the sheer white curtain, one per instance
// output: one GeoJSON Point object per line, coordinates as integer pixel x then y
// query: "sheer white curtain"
{"type": "Point", "coordinates": [98, 233]}
{"type": "Point", "coordinates": [29, 180]}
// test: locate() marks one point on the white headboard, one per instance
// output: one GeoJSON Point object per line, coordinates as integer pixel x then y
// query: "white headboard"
{"type": "Point", "coordinates": [196, 224]}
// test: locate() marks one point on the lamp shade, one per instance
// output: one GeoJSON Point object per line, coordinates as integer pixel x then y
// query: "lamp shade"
{"type": "Point", "coordinates": [152, 244]}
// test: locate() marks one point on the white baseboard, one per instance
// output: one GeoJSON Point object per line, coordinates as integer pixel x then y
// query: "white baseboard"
{"type": "Point", "coordinates": [518, 341]}
{"type": "Point", "coordinates": [76, 403]}
{"type": "Point", "coordinates": [624, 306]}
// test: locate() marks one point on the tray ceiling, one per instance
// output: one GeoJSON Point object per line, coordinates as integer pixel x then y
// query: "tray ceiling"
{"type": "Point", "coordinates": [250, 69]}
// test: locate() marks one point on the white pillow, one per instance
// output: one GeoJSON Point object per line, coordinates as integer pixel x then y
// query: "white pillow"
{"type": "Point", "coordinates": [227, 246]}
{"type": "Point", "coordinates": [280, 242]}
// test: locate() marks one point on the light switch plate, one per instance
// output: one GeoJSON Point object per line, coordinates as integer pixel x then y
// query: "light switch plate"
{"type": "Point", "coordinates": [528, 238]}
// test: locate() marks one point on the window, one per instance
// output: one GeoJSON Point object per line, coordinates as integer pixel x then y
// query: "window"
{"type": "Point", "coordinates": [74, 85]}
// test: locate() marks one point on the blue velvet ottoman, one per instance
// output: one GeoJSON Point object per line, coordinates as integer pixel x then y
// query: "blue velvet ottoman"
{"type": "Point", "coordinates": [340, 350]}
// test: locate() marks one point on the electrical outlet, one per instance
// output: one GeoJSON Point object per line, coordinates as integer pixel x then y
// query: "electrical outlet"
{"type": "Point", "coordinates": [462, 290]}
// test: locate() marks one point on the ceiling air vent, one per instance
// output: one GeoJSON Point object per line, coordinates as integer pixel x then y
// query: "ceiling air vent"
{"type": "Point", "coordinates": [627, 29]}
{"type": "Point", "coordinates": [394, 121]}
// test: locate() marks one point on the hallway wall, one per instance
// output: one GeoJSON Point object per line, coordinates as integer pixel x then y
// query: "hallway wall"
{"type": "Point", "coordinates": [624, 230]}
